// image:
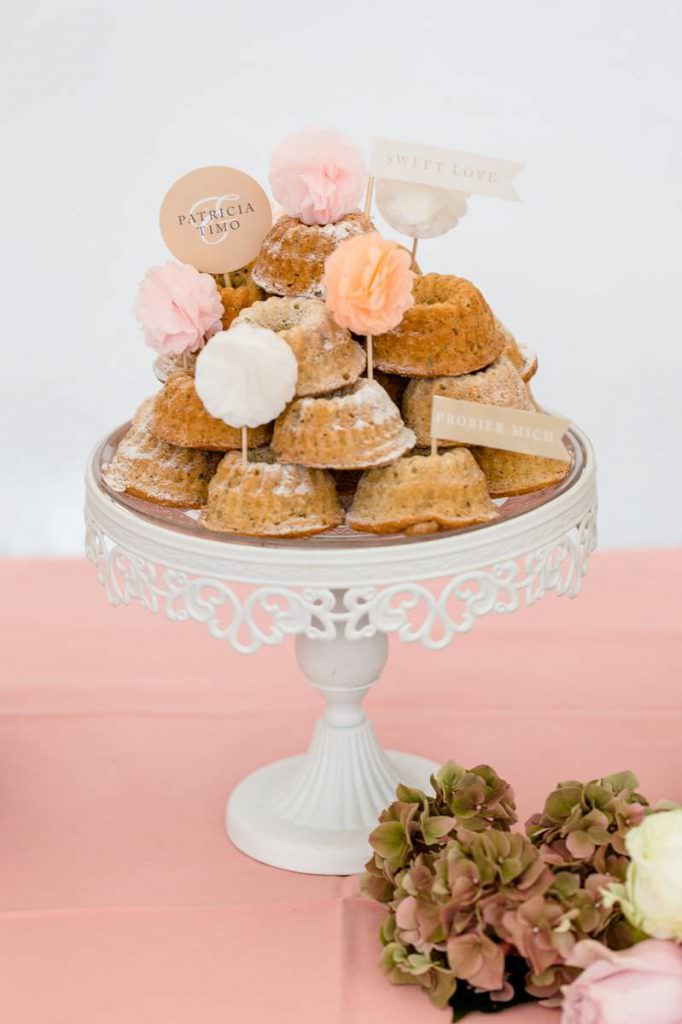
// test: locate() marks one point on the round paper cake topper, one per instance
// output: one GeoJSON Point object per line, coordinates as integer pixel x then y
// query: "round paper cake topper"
{"type": "Point", "coordinates": [215, 218]}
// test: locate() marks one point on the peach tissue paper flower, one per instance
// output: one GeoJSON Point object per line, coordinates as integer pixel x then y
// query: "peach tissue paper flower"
{"type": "Point", "coordinates": [317, 176]}
{"type": "Point", "coordinates": [368, 284]}
{"type": "Point", "coordinates": [178, 307]}
{"type": "Point", "coordinates": [629, 986]}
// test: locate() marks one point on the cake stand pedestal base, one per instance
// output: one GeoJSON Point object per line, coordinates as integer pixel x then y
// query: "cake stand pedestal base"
{"type": "Point", "coordinates": [314, 813]}
{"type": "Point", "coordinates": [255, 826]}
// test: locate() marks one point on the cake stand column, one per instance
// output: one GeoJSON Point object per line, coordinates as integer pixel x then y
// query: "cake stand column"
{"type": "Point", "coordinates": [313, 813]}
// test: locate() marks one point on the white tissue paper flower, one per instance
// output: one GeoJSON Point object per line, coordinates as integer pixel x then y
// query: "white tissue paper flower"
{"type": "Point", "coordinates": [245, 376]}
{"type": "Point", "coordinates": [419, 211]}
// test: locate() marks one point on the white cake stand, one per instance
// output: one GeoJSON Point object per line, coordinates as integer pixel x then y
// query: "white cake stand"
{"type": "Point", "coordinates": [340, 595]}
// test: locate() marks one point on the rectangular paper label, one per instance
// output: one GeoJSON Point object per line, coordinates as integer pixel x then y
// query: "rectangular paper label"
{"type": "Point", "coordinates": [447, 168]}
{"type": "Point", "coordinates": [494, 426]}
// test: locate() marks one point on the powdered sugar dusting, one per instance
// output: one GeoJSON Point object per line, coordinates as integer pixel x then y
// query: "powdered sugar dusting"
{"type": "Point", "coordinates": [169, 471]}
{"type": "Point", "coordinates": [342, 230]}
{"type": "Point", "coordinates": [290, 479]}
{"type": "Point", "coordinates": [366, 399]}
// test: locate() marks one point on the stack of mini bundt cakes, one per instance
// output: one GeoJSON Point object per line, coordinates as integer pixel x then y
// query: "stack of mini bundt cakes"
{"type": "Point", "coordinates": [353, 441]}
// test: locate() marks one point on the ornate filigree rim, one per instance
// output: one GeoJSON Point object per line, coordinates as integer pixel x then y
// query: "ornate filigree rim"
{"type": "Point", "coordinates": [413, 611]}
{"type": "Point", "coordinates": [253, 597]}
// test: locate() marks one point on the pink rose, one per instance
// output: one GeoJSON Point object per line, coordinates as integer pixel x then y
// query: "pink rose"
{"type": "Point", "coordinates": [628, 986]}
{"type": "Point", "coordinates": [368, 283]}
{"type": "Point", "coordinates": [178, 308]}
{"type": "Point", "coordinates": [317, 176]}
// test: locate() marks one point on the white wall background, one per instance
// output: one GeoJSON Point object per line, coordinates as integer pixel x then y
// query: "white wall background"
{"type": "Point", "coordinates": [104, 105]}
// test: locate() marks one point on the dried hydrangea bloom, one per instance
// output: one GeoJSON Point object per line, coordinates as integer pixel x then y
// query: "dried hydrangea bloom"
{"type": "Point", "coordinates": [478, 914]}
{"type": "Point", "coordinates": [462, 800]}
{"type": "Point", "coordinates": [584, 824]}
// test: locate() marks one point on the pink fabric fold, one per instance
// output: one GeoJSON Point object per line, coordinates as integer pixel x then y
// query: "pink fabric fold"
{"type": "Point", "coordinates": [121, 735]}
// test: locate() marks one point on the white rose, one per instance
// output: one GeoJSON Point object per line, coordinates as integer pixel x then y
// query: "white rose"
{"type": "Point", "coordinates": [651, 898]}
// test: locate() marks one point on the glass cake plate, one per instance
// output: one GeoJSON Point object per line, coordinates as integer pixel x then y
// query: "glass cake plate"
{"type": "Point", "coordinates": [342, 536]}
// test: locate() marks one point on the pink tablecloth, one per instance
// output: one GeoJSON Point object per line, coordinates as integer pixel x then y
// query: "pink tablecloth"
{"type": "Point", "coordinates": [121, 900]}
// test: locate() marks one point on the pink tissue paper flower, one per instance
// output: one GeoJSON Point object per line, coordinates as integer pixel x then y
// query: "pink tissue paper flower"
{"type": "Point", "coordinates": [317, 176]}
{"type": "Point", "coordinates": [368, 284]}
{"type": "Point", "coordinates": [178, 307]}
{"type": "Point", "coordinates": [628, 986]}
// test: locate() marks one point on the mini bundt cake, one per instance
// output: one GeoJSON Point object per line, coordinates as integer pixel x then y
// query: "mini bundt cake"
{"type": "Point", "coordinates": [264, 498]}
{"type": "Point", "coordinates": [498, 384]}
{"type": "Point", "coordinates": [355, 428]}
{"type": "Point", "coordinates": [238, 291]}
{"type": "Point", "coordinates": [449, 330]}
{"type": "Point", "coordinates": [523, 359]}
{"type": "Point", "coordinates": [327, 356]}
{"type": "Point", "coordinates": [292, 257]}
{"type": "Point", "coordinates": [180, 418]}
{"type": "Point", "coordinates": [168, 363]}
{"type": "Point", "coordinates": [422, 494]}
{"type": "Point", "coordinates": [512, 473]}
{"type": "Point", "coordinates": [145, 467]}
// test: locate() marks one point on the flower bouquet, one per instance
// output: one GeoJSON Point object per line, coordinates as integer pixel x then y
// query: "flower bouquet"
{"type": "Point", "coordinates": [483, 917]}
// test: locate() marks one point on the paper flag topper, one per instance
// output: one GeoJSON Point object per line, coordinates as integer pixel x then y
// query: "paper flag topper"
{"type": "Point", "coordinates": [444, 168]}
{"type": "Point", "coordinates": [494, 426]}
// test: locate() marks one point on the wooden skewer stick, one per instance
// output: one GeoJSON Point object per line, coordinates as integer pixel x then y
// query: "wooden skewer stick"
{"type": "Point", "coordinates": [368, 196]}
{"type": "Point", "coordinates": [245, 445]}
{"type": "Point", "coordinates": [414, 252]}
{"type": "Point", "coordinates": [370, 358]}
{"type": "Point", "coordinates": [434, 446]}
